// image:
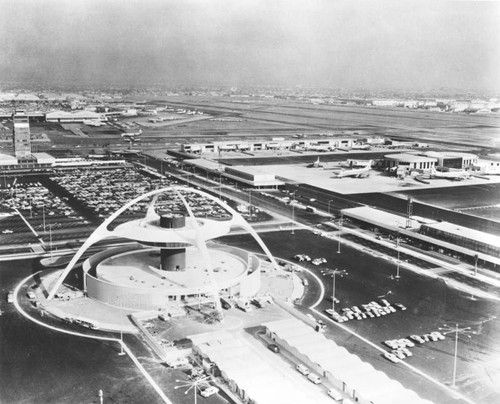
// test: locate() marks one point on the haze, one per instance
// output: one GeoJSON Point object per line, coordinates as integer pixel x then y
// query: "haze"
{"type": "Point", "coordinates": [260, 42]}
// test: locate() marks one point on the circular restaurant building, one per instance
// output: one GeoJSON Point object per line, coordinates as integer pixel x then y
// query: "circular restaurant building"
{"type": "Point", "coordinates": [171, 257]}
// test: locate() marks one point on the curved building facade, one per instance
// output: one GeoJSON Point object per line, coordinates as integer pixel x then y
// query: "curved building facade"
{"type": "Point", "coordinates": [173, 259]}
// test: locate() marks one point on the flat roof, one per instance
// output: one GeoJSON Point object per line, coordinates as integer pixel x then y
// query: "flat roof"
{"type": "Point", "coordinates": [205, 164]}
{"type": "Point", "coordinates": [263, 380]}
{"type": "Point", "coordinates": [466, 232]}
{"type": "Point", "coordinates": [410, 158]}
{"type": "Point", "coordinates": [380, 218]}
{"type": "Point", "coordinates": [358, 375]}
{"type": "Point", "coordinates": [6, 159]}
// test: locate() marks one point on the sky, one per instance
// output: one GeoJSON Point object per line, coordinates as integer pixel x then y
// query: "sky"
{"type": "Point", "coordinates": [313, 43]}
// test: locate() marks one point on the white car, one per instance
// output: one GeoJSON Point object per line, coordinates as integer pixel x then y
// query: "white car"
{"type": "Point", "coordinates": [302, 369]}
{"type": "Point", "coordinates": [335, 395]}
{"type": "Point", "coordinates": [391, 357]}
{"type": "Point", "coordinates": [417, 338]}
{"type": "Point", "coordinates": [209, 391]}
{"type": "Point", "coordinates": [314, 378]}
{"type": "Point", "coordinates": [398, 353]}
{"type": "Point", "coordinates": [438, 335]}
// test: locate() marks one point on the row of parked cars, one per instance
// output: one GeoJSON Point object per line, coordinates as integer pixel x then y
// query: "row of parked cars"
{"type": "Point", "coordinates": [307, 258]}
{"type": "Point", "coordinates": [399, 347]}
{"type": "Point", "coordinates": [369, 310]}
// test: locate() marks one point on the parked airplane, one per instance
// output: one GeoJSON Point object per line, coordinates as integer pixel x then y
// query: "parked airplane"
{"type": "Point", "coordinates": [131, 135]}
{"type": "Point", "coordinates": [450, 175]}
{"type": "Point", "coordinates": [356, 169]}
{"type": "Point", "coordinates": [315, 164]}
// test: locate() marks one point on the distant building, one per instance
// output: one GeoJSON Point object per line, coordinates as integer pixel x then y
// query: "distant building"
{"type": "Point", "coordinates": [456, 160]}
{"type": "Point", "coordinates": [427, 160]}
{"type": "Point", "coordinates": [409, 161]}
{"type": "Point", "coordinates": [21, 136]}
{"type": "Point", "coordinates": [77, 116]}
{"type": "Point", "coordinates": [312, 144]}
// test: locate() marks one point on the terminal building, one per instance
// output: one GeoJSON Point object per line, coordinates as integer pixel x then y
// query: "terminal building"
{"type": "Point", "coordinates": [428, 160]}
{"type": "Point", "coordinates": [73, 117]}
{"type": "Point", "coordinates": [320, 144]}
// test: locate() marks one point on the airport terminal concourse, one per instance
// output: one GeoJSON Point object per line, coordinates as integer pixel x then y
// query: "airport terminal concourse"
{"type": "Point", "coordinates": [172, 261]}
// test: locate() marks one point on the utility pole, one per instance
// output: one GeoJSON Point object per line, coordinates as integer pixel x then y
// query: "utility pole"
{"type": "Point", "coordinates": [340, 230]}
{"type": "Point", "coordinates": [397, 248]}
{"type": "Point", "coordinates": [341, 272]}
{"type": "Point", "coordinates": [463, 331]}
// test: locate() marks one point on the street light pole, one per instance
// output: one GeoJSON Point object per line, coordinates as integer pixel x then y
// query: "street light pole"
{"type": "Point", "coordinates": [340, 230]}
{"type": "Point", "coordinates": [331, 200]}
{"type": "Point", "coordinates": [333, 292]}
{"type": "Point", "coordinates": [455, 357]}
{"type": "Point", "coordinates": [50, 241]}
{"type": "Point", "coordinates": [43, 214]}
{"type": "Point", "coordinates": [466, 331]}
{"type": "Point", "coordinates": [397, 248]}
{"type": "Point", "coordinates": [334, 272]}
{"type": "Point", "coordinates": [191, 384]}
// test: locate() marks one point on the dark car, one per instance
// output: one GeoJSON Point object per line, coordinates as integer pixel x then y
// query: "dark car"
{"type": "Point", "coordinates": [273, 347]}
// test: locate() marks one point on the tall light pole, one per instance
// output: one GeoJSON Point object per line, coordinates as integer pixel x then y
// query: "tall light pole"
{"type": "Point", "coordinates": [331, 200]}
{"type": "Point", "coordinates": [191, 384]}
{"type": "Point", "coordinates": [464, 331]}
{"type": "Point", "coordinates": [293, 212]}
{"type": "Point", "coordinates": [397, 265]}
{"type": "Point", "coordinates": [341, 272]}
{"type": "Point", "coordinates": [43, 214]}
{"type": "Point", "coordinates": [340, 230]}
{"type": "Point", "coordinates": [50, 241]}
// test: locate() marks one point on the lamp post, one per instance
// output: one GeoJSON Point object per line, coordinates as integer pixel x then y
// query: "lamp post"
{"type": "Point", "coordinates": [397, 265]}
{"type": "Point", "coordinates": [464, 331]}
{"type": "Point", "coordinates": [121, 353]}
{"type": "Point", "coordinates": [334, 272]}
{"type": "Point", "coordinates": [50, 241]}
{"type": "Point", "coordinates": [293, 213]}
{"type": "Point", "coordinates": [191, 384]}
{"type": "Point", "coordinates": [331, 200]}
{"type": "Point", "coordinates": [43, 215]}
{"type": "Point", "coordinates": [340, 230]}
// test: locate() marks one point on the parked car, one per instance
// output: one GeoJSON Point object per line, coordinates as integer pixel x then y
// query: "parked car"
{"type": "Point", "coordinates": [314, 378]}
{"type": "Point", "coordinates": [273, 347]}
{"type": "Point", "coordinates": [209, 391]}
{"type": "Point", "coordinates": [335, 395]}
{"type": "Point", "coordinates": [417, 338]}
{"type": "Point", "coordinates": [302, 369]}
{"type": "Point", "coordinates": [391, 357]}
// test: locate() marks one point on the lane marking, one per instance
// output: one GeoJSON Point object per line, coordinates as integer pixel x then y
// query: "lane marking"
{"type": "Point", "coordinates": [125, 347]}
